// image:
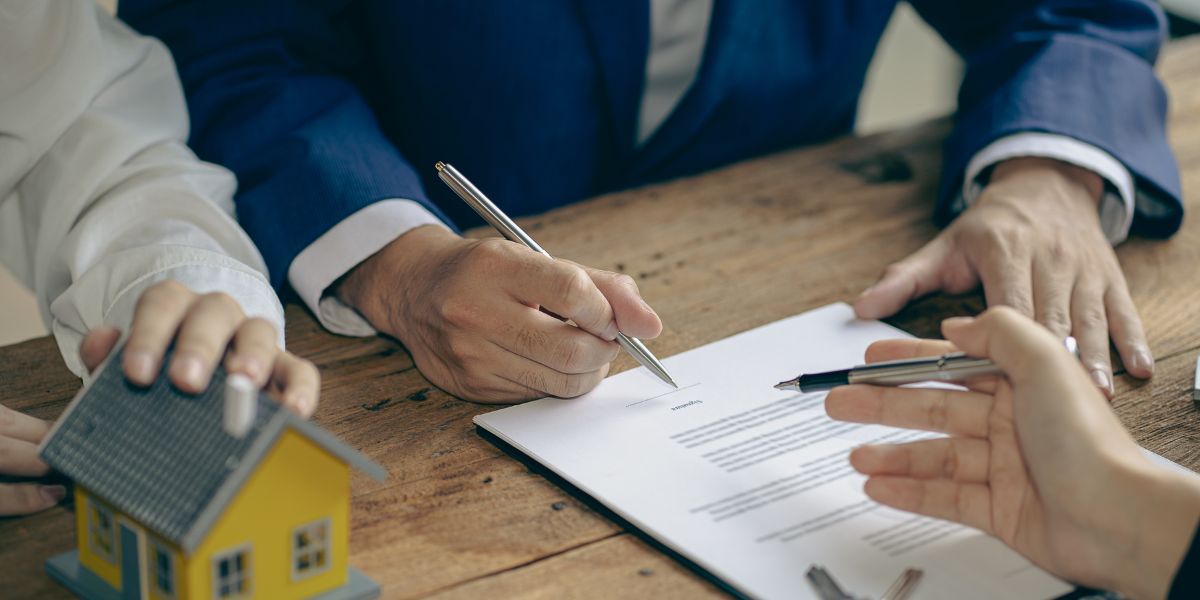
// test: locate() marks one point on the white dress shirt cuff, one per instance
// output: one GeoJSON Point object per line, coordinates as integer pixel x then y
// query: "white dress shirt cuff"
{"type": "Point", "coordinates": [341, 248]}
{"type": "Point", "coordinates": [1116, 207]}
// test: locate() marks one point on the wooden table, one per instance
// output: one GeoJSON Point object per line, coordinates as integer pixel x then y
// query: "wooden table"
{"type": "Point", "coordinates": [715, 255]}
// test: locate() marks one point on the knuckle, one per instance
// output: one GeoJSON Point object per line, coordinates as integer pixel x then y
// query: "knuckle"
{"type": "Point", "coordinates": [1019, 300]}
{"type": "Point", "coordinates": [530, 340]}
{"type": "Point", "coordinates": [460, 311]}
{"type": "Point", "coordinates": [962, 502]}
{"type": "Point", "coordinates": [533, 381]}
{"type": "Point", "coordinates": [950, 463]}
{"type": "Point", "coordinates": [223, 302]}
{"type": "Point", "coordinates": [258, 329]}
{"type": "Point", "coordinates": [626, 281]}
{"type": "Point", "coordinates": [571, 355]}
{"type": "Point", "coordinates": [574, 385]}
{"type": "Point", "coordinates": [936, 415]}
{"type": "Point", "coordinates": [1057, 253]}
{"type": "Point", "coordinates": [492, 254]}
{"type": "Point", "coordinates": [169, 287]}
{"type": "Point", "coordinates": [453, 349]}
{"type": "Point", "coordinates": [164, 293]}
{"type": "Point", "coordinates": [995, 237]}
{"type": "Point", "coordinates": [1091, 317]}
{"type": "Point", "coordinates": [573, 287]}
{"type": "Point", "coordinates": [460, 351]}
{"type": "Point", "coordinates": [1057, 323]}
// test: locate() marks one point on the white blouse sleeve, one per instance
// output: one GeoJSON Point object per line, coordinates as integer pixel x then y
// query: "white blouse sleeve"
{"type": "Point", "coordinates": [100, 197]}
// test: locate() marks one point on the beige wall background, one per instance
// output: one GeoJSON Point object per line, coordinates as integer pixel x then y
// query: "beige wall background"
{"type": "Point", "coordinates": [914, 77]}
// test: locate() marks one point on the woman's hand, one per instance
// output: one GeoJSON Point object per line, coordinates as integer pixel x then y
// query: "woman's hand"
{"type": "Point", "coordinates": [1035, 458]}
{"type": "Point", "coordinates": [20, 435]}
{"type": "Point", "coordinates": [205, 329]}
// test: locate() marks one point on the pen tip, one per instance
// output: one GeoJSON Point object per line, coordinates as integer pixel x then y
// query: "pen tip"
{"type": "Point", "coordinates": [789, 385]}
{"type": "Point", "coordinates": [440, 166]}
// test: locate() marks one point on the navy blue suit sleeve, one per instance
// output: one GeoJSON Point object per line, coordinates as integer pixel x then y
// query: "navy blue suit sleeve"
{"type": "Point", "coordinates": [270, 98]}
{"type": "Point", "coordinates": [1083, 69]}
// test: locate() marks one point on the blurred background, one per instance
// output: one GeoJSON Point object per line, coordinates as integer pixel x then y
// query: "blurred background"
{"type": "Point", "coordinates": [914, 77]}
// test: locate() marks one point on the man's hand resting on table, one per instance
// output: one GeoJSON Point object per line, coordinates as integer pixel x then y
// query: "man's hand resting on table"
{"type": "Point", "coordinates": [1034, 458]}
{"type": "Point", "coordinates": [205, 329]}
{"type": "Point", "coordinates": [1033, 239]}
{"type": "Point", "coordinates": [468, 311]}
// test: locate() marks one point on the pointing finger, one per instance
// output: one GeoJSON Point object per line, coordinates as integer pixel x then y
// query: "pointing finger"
{"type": "Point", "coordinates": [931, 409]}
{"type": "Point", "coordinates": [965, 460]}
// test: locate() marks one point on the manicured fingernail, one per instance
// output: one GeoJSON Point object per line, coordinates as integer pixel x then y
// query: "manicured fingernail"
{"type": "Point", "coordinates": [868, 290]}
{"type": "Point", "coordinates": [956, 321]}
{"type": "Point", "coordinates": [188, 371]}
{"type": "Point", "coordinates": [249, 366]}
{"type": "Point", "coordinates": [1143, 362]}
{"type": "Point", "coordinates": [1100, 378]}
{"type": "Point", "coordinates": [140, 366]}
{"type": "Point", "coordinates": [53, 493]}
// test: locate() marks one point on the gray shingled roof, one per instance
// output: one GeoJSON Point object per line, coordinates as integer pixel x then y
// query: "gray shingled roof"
{"type": "Point", "coordinates": [162, 456]}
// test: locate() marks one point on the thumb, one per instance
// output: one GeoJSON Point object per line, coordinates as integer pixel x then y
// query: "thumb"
{"type": "Point", "coordinates": [28, 498]}
{"type": "Point", "coordinates": [634, 317]}
{"type": "Point", "coordinates": [96, 346]}
{"type": "Point", "coordinates": [1016, 343]}
{"type": "Point", "coordinates": [911, 278]}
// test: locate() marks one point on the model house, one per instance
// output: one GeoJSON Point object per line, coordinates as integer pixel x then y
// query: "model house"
{"type": "Point", "coordinates": [202, 497]}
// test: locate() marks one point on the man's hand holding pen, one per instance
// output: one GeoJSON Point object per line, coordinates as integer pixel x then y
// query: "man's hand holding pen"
{"type": "Point", "coordinates": [469, 312]}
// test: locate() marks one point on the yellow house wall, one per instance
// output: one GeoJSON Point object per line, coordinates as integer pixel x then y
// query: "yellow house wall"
{"type": "Point", "coordinates": [297, 483]}
{"type": "Point", "coordinates": [110, 572]}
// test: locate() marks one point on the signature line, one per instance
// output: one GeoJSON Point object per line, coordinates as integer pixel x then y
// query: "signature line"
{"type": "Point", "coordinates": [686, 387]}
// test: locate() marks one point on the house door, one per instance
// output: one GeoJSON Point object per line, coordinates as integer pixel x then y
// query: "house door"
{"type": "Point", "coordinates": [131, 580]}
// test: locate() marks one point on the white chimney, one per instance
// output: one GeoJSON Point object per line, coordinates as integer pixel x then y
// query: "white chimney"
{"type": "Point", "coordinates": [241, 403]}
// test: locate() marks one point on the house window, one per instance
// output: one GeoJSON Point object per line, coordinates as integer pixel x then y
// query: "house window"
{"type": "Point", "coordinates": [232, 574]}
{"type": "Point", "coordinates": [162, 570]}
{"type": "Point", "coordinates": [101, 531]}
{"type": "Point", "coordinates": [310, 549]}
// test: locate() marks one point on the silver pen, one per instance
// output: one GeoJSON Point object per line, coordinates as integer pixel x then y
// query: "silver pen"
{"type": "Point", "coordinates": [496, 218]}
{"type": "Point", "coordinates": [953, 367]}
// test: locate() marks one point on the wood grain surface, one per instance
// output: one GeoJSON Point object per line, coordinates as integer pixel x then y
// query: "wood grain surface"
{"type": "Point", "coordinates": [715, 254]}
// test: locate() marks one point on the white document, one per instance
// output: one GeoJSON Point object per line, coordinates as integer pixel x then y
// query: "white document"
{"type": "Point", "coordinates": [753, 484]}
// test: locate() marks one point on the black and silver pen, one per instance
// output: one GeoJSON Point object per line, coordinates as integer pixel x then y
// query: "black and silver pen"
{"type": "Point", "coordinates": [953, 367]}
